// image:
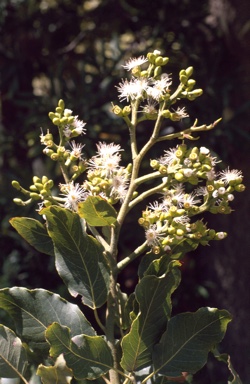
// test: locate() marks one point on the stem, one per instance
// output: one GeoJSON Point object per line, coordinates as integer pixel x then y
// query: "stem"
{"type": "Point", "coordinates": [148, 193]}
{"type": "Point", "coordinates": [137, 252]}
{"type": "Point", "coordinates": [98, 320]}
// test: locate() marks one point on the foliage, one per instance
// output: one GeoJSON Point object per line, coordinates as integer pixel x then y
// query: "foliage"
{"type": "Point", "coordinates": [82, 228]}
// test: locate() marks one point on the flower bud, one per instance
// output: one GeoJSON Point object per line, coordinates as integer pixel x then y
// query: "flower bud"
{"type": "Point", "coordinates": [240, 188]}
{"type": "Point", "coordinates": [165, 60]}
{"type": "Point", "coordinates": [51, 115]}
{"type": "Point", "coordinates": [34, 196]}
{"type": "Point", "coordinates": [126, 110]}
{"type": "Point", "coordinates": [16, 185]}
{"type": "Point", "coordinates": [157, 71]}
{"type": "Point", "coordinates": [56, 121]}
{"type": "Point", "coordinates": [189, 71]}
{"type": "Point", "coordinates": [154, 164]}
{"type": "Point", "coordinates": [179, 176]}
{"type": "Point", "coordinates": [166, 113]}
{"type": "Point", "coordinates": [220, 235]}
{"type": "Point", "coordinates": [59, 110]}
{"type": "Point", "coordinates": [183, 79]}
{"type": "Point", "coordinates": [151, 57]}
{"type": "Point", "coordinates": [64, 120]}
{"type": "Point", "coordinates": [61, 104]}
{"type": "Point", "coordinates": [19, 202]}
{"type": "Point", "coordinates": [159, 60]}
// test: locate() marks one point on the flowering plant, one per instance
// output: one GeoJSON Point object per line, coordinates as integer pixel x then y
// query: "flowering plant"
{"type": "Point", "coordinates": [135, 340]}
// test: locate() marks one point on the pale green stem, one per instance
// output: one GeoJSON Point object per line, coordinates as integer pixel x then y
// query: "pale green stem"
{"type": "Point", "coordinates": [137, 252]}
{"type": "Point", "coordinates": [147, 193]}
{"type": "Point", "coordinates": [147, 177]}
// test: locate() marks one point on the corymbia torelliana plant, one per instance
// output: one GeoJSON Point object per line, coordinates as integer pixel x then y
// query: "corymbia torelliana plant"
{"type": "Point", "coordinates": [133, 338]}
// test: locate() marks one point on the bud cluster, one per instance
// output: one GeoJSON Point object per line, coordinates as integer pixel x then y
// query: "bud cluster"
{"type": "Point", "coordinates": [41, 189]}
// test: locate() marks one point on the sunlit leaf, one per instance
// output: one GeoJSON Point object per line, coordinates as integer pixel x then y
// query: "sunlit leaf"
{"type": "Point", "coordinates": [34, 310]}
{"type": "Point", "coordinates": [188, 339]}
{"type": "Point", "coordinates": [35, 233]}
{"type": "Point", "coordinates": [235, 379]}
{"type": "Point", "coordinates": [89, 357]}
{"type": "Point", "coordinates": [79, 257]}
{"type": "Point", "coordinates": [13, 360]}
{"type": "Point", "coordinates": [56, 374]}
{"type": "Point", "coordinates": [97, 212]}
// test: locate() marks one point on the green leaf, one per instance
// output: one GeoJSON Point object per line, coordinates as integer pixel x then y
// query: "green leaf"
{"type": "Point", "coordinates": [57, 374]}
{"type": "Point", "coordinates": [13, 360]}
{"type": "Point", "coordinates": [153, 294]}
{"type": "Point", "coordinates": [79, 257]}
{"type": "Point", "coordinates": [188, 339]}
{"type": "Point", "coordinates": [34, 310]}
{"type": "Point", "coordinates": [89, 357]}
{"type": "Point", "coordinates": [35, 233]}
{"type": "Point", "coordinates": [227, 360]}
{"type": "Point", "coordinates": [97, 212]}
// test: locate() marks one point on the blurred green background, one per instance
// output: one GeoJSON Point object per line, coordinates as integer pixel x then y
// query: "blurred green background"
{"type": "Point", "coordinates": [74, 49]}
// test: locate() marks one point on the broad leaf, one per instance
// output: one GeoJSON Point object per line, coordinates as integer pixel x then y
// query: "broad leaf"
{"type": "Point", "coordinates": [89, 357]}
{"type": "Point", "coordinates": [56, 374]}
{"type": "Point", "coordinates": [35, 233]}
{"type": "Point", "coordinates": [189, 337]}
{"type": "Point", "coordinates": [34, 310]}
{"type": "Point", "coordinates": [79, 257]}
{"type": "Point", "coordinates": [227, 360]}
{"type": "Point", "coordinates": [97, 212]}
{"type": "Point", "coordinates": [153, 295]}
{"type": "Point", "coordinates": [13, 360]}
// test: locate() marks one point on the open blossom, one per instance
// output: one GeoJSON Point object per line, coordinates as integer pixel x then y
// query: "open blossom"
{"type": "Point", "coordinates": [77, 127]}
{"type": "Point", "coordinates": [159, 87]}
{"type": "Point", "coordinates": [107, 158]}
{"type": "Point", "coordinates": [228, 176]}
{"type": "Point", "coordinates": [74, 194]}
{"type": "Point", "coordinates": [133, 89]}
{"type": "Point", "coordinates": [134, 62]}
{"type": "Point", "coordinates": [180, 113]}
{"type": "Point", "coordinates": [153, 236]}
{"type": "Point", "coordinates": [76, 149]}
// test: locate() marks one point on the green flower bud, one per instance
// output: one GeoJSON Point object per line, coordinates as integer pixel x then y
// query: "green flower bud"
{"type": "Point", "coordinates": [61, 104]}
{"type": "Point", "coordinates": [19, 202]}
{"type": "Point", "coordinates": [64, 120]}
{"type": "Point", "coordinates": [33, 188]}
{"type": "Point", "coordinates": [154, 164]}
{"type": "Point", "coordinates": [16, 185]}
{"type": "Point", "coordinates": [163, 170]}
{"type": "Point", "coordinates": [166, 113]}
{"type": "Point", "coordinates": [38, 186]}
{"type": "Point", "coordinates": [165, 60]}
{"type": "Point", "coordinates": [56, 121]}
{"type": "Point", "coordinates": [36, 179]}
{"type": "Point", "coordinates": [59, 110]}
{"type": "Point", "coordinates": [179, 176]}
{"type": "Point", "coordinates": [34, 196]}
{"type": "Point", "coordinates": [157, 71]}
{"type": "Point", "coordinates": [144, 73]}
{"type": "Point", "coordinates": [159, 60]}
{"type": "Point", "coordinates": [44, 193]}
{"type": "Point", "coordinates": [189, 71]}
{"type": "Point", "coordinates": [136, 71]}
{"type": "Point", "coordinates": [151, 57]}
{"type": "Point", "coordinates": [51, 115]}
{"type": "Point", "coordinates": [126, 110]}
{"type": "Point", "coordinates": [71, 119]}
{"type": "Point", "coordinates": [54, 156]}
{"type": "Point", "coordinates": [183, 79]}
{"type": "Point", "coordinates": [240, 188]}
{"type": "Point", "coordinates": [48, 185]}
{"type": "Point", "coordinates": [45, 179]}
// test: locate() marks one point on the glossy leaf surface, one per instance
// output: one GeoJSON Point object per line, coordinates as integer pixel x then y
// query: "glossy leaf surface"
{"type": "Point", "coordinates": [97, 212]}
{"type": "Point", "coordinates": [79, 257]}
{"type": "Point", "coordinates": [89, 357]}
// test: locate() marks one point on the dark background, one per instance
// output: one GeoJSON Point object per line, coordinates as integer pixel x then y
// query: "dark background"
{"type": "Point", "coordinates": [73, 49]}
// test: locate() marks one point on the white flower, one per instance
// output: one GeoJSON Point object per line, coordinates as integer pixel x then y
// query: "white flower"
{"type": "Point", "coordinates": [204, 151]}
{"type": "Point", "coordinates": [133, 89]}
{"type": "Point", "coordinates": [134, 62]}
{"type": "Point", "coordinates": [169, 157]}
{"type": "Point", "coordinates": [230, 197]}
{"type": "Point", "coordinates": [153, 236]}
{"type": "Point", "coordinates": [77, 127]}
{"type": "Point", "coordinates": [221, 190]}
{"type": "Point", "coordinates": [228, 176]}
{"type": "Point", "coordinates": [180, 113]}
{"type": "Point", "coordinates": [187, 172]}
{"type": "Point", "coordinates": [184, 219]}
{"type": "Point", "coordinates": [74, 194]}
{"type": "Point", "coordinates": [119, 185]}
{"type": "Point", "coordinates": [189, 200]}
{"type": "Point", "coordinates": [76, 150]}
{"type": "Point", "coordinates": [149, 108]}
{"type": "Point", "coordinates": [107, 150]}
{"type": "Point", "coordinates": [160, 87]}
{"type": "Point", "coordinates": [220, 235]}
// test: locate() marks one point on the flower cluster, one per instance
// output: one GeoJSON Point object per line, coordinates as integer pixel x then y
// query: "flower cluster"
{"type": "Point", "coordinates": [169, 222]}
{"type": "Point", "coordinates": [105, 177]}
